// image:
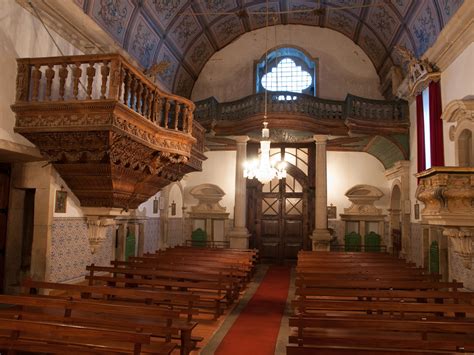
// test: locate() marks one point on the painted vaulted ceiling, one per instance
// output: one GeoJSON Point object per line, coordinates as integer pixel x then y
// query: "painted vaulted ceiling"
{"type": "Point", "coordinates": [185, 34]}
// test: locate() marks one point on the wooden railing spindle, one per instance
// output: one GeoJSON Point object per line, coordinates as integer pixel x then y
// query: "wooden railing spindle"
{"type": "Point", "coordinates": [133, 85]}
{"type": "Point", "coordinates": [49, 81]}
{"type": "Point", "coordinates": [127, 80]}
{"type": "Point", "coordinates": [76, 77]}
{"type": "Point", "coordinates": [150, 103]}
{"type": "Point", "coordinates": [36, 77]}
{"type": "Point", "coordinates": [90, 79]}
{"type": "Point", "coordinates": [139, 96]}
{"type": "Point", "coordinates": [177, 109]}
{"type": "Point", "coordinates": [166, 113]}
{"type": "Point", "coordinates": [63, 73]}
{"type": "Point", "coordinates": [104, 71]}
{"type": "Point", "coordinates": [118, 81]}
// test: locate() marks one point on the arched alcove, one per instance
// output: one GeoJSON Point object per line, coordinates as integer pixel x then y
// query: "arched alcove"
{"type": "Point", "coordinates": [465, 149]}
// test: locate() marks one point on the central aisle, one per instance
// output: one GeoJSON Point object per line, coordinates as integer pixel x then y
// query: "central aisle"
{"type": "Point", "coordinates": [256, 329]}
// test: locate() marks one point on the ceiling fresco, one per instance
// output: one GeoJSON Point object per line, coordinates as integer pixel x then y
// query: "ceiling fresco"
{"type": "Point", "coordinates": [186, 33]}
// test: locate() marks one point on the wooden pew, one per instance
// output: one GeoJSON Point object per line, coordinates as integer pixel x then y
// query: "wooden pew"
{"type": "Point", "coordinates": [232, 274]}
{"type": "Point", "coordinates": [159, 322]}
{"type": "Point", "coordinates": [381, 334]}
{"type": "Point", "coordinates": [234, 269]}
{"type": "Point", "coordinates": [54, 338]}
{"type": "Point", "coordinates": [215, 292]}
{"type": "Point", "coordinates": [180, 303]}
{"type": "Point", "coordinates": [369, 303]}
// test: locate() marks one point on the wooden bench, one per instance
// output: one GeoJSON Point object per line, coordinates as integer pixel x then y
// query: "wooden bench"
{"type": "Point", "coordinates": [180, 303]}
{"type": "Point", "coordinates": [215, 292]}
{"type": "Point", "coordinates": [360, 303]}
{"type": "Point", "coordinates": [383, 334]}
{"type": "Point", "coordinates": [234, 275]}
{"type": "Point", "coordinates": [54, 338]}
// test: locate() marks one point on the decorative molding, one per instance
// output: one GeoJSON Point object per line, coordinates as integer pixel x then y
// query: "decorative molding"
{"type": "Point", "coordinates": [363, 198]}
{"type": "Point", "coordinates": [454, 38]}
{"type": "Point", "coordinates": [118, 140]}
{"type": "Point", "coordinates": [461, 240]}
{"type": "Point", "coordinates": [459, 110]}
{"type": "Point", "coordinates": [209, 196]}
{"type": "Point", "coordinates": [399, 169]}
{"type": "Point", "coordinates": [448, 195]}
{"type": "Point", "coordinates": [420, 74]}
{"type": "Point", "coordinates": [97, 231]}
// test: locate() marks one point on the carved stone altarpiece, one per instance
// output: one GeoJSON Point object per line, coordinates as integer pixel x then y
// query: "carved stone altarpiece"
{"type": "Point", "coordinates": [448, 195]}
{"type": "Point", "coordinates": [208, 211]}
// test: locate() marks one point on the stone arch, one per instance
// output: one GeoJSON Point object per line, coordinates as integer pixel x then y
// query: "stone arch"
{"type": "Point", "coordinates": [460, 113]}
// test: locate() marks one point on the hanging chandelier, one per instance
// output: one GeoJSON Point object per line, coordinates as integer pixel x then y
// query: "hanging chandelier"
{"type": "Point", "coordinates": [265, 169]}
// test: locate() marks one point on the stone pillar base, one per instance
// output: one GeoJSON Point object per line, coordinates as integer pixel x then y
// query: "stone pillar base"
{"type": "Point", "coordinates": [320, 239]}
{"type": "Point", "coordinates": [239, 238]}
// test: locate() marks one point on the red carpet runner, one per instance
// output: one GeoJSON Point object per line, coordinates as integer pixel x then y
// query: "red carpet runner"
{"type": "Point", "coordinates": [256, 329]}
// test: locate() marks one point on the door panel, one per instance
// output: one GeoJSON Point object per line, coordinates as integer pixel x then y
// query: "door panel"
{"type": "Point", "coordinates": [270, 228]}
{"type": "Point", "coordinates": [278, 216]}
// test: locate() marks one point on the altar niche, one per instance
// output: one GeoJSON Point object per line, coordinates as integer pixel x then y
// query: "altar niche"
{"type": "Point", "coordinates": [279, 214]}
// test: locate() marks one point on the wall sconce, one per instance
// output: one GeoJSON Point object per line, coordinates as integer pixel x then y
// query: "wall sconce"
{"type": "Point", "coordinates": [173, 208]}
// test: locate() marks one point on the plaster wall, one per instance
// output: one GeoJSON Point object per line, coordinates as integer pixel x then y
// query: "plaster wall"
{"type": "Point", "coordinates": [343, 66]}
{"type": "Point", "coordinates": [218, 169]}
{"type": "Point", "coordinates": [146, 208]}
{"type": "Point", "coordinates": [346, 169]}
{"type": "Point", "coordinates": [21, 35]}
{"type": "Point", "coordinates": [457, 82]}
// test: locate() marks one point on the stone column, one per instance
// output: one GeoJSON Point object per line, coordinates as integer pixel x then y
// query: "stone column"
{"type": "Point", "coordinates": [239, 235]}
{"type": "Point", "coordinates": [321, 235]}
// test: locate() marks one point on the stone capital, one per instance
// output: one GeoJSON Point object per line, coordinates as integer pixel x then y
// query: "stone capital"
{"type": "Point", "coordinates": [240, 139]}
{"type": "Point", "coordinates": [320, 138]}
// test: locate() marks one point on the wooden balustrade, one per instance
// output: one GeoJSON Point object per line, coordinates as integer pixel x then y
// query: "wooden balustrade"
{"type": "Point", "coordinates": [101, 77]}
{"type": "Point", "coordinates": [313, 107]}
{"type": "Point", "coordinates": [98, 117]}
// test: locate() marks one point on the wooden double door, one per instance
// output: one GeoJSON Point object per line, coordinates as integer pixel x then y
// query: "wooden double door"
{"type": "Point", "coordinates": [280, 212]}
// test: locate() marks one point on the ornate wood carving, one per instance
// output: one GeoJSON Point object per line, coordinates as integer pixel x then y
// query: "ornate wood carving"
{"type": "Point", "coordinates": [109, 148]}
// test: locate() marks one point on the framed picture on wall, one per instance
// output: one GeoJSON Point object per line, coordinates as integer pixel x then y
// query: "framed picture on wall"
{"type": "Point", "coordinates": [156, 204]}
{"type": "Point", "coordinates": [60, 203]}
{"type": "Point", "coordinates": [332, 212]}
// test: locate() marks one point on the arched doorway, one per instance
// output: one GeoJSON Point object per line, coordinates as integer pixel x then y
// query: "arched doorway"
{"type": "Point", "coordinates": [395, 220]}
{"type": "Point", "coordinates": [281, 215]}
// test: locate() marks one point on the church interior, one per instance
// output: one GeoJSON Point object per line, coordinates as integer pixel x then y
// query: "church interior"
{"type": "Point", "coordinates": [236, 176]}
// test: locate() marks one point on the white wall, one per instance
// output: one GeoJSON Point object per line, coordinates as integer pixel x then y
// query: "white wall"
{"type": "Point", "coordinates": [146, 208]}
{"type": "Point", "coordinates": [218, 169]}
{"type": "Point", "coordinates": [343, 66]}
{"type": "Point", "coordinates": [457, 82]}
{"type": "Point", "coordinates": [346, 169]}
{"type": "Point", "coordinates": [21, 36]}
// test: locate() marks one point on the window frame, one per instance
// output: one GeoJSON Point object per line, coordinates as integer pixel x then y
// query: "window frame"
{"type": "Point", "coordinates": [298, 61]}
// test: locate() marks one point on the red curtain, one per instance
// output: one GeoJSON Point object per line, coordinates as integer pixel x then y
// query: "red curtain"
{"type": "Point", "coordinates": [420, 133]}
{"type": "Point", "coordinates": [436, 125]}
